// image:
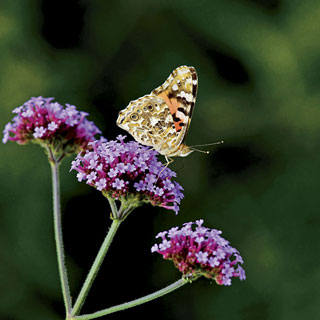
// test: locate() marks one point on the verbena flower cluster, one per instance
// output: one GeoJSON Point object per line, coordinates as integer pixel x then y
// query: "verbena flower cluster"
{"type": "Point", "coordinates": [199, 251]}
{"type": "Point", "coordinates": [43, 121]}
{"type": "Point", "coordinates": [128, 170]}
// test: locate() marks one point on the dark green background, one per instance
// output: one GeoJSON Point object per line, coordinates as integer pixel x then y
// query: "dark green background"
{"type": "Point", "coordinates": [258, 64]}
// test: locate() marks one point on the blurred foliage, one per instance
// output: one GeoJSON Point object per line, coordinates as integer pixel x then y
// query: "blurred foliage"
{"type": "Point", "coordinates": [257, 62]}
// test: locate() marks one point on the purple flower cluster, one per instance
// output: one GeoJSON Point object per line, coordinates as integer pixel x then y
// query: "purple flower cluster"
{"type": "Point", "coordinates": [43, 121]}
{"type": "Point", "coordinates": [128, 170]}
{"type": "Point", "coordinates": [199, 251]}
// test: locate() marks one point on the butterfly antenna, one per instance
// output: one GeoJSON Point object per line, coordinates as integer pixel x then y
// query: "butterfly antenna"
{"type": "Point", "coordinates": [207, 144]}
{"type": "Point", "coordinates": [203, 145]}
{"type": "Point", "coordinates": [203, 151]}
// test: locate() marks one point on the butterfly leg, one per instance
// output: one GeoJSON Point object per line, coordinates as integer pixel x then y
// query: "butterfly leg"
{"type": "Point", "coordinates": [169, 160]}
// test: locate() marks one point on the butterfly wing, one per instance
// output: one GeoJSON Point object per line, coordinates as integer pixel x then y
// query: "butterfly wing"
{"type": "Point", "coordinates": [149, 121]}
{"type": "Point", "coordinates": [162, 118]}
{"type": "Point", "coordinates": [179, 92]}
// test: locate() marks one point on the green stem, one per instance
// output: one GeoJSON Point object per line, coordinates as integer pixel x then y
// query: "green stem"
{"type": "Point", "coordinates": [113, 207]}
{"type": "Point", "coordinates": [95, 267]}
{"type": "Point", "coordinates": [58, 236]}
{"type": "Point", "coordinates": [136, 302]}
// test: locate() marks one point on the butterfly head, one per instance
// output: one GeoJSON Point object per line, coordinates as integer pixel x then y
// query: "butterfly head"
{"type": "Point", "coordinates": [185, 150]}
{"type": "Point", "coordinates": [182, 151]}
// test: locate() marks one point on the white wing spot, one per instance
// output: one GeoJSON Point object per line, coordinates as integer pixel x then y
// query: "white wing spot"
{"type": "Point", "coordinates": [183, 71]}
{"type": "Point", "coordinates": [181, 115]}
{"type": "Point", "coordinates": [189, 97]}
{"type": "Point", "coordinates": [153, 121]}
{"type": "Point", "coordinates": [168, 118]}
{"type": "Point", "coordinates": [175, 87]}
{"type": "Point", "coordinates": [165, 85]}
{"type": "Point", "coordinates": [182, 94]}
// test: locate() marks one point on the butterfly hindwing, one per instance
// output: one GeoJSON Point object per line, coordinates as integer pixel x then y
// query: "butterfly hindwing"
{"type": "Point", "coordinates": [149, 121]}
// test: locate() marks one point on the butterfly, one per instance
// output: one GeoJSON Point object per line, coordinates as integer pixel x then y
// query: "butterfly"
{"type": "Point", "coordinates": [162, 118]}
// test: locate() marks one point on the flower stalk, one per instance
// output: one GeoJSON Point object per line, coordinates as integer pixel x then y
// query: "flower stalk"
{"type": "Point", "coordinates": [95, 267]}
{"type": "Point", "coordinates": [58, 235]}
{"type": "Point", "coordinates": [176, 285]}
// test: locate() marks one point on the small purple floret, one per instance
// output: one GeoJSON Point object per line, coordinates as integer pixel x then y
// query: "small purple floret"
{"type": "Point", "coordinates": [128, 169]}
{"type": "Point", "coordinates": [43, 121]}
{"type": "Point", "coordinates": [198, 251]}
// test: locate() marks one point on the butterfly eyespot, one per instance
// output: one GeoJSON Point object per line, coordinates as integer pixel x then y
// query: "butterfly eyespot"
{"type": "Point", "coordinates": [149, 107]}
{"type": "Point", "coordinates": [134, 117]}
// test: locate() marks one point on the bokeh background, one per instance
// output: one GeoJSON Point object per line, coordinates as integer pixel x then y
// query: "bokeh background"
{"type": "Point", "coordinates": [258, 64]}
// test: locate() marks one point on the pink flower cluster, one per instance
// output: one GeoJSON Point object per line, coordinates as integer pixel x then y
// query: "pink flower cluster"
{"type": "Point", "coordinates": [128, 170]}
{"type": "Point", "coordinates": [43, 121]}
{"type": "Point", "coordinates": [199, 251]}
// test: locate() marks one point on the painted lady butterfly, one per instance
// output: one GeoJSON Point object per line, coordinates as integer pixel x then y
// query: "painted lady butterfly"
{"type": "Point", "coordinates": [162, 118]}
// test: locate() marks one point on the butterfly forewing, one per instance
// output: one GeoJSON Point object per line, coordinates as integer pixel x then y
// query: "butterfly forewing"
{"type": "Point", "coordinates": [179, 92]}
